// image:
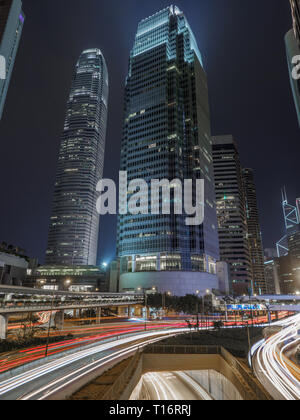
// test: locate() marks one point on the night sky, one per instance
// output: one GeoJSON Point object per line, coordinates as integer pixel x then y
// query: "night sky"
{"type": "Point", "coordinates": [242, 43]}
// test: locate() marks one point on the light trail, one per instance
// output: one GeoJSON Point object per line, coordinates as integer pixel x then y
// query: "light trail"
{"type": "Point", "coordinates": [21, 357]}
{"type": "Point", "coordinates": [75, 372]}
{"type": "Point", "coordinates": [272, 370]}
{"type": "Point", "coordinates": [197, 388]}
{"type": "Point", "coordinates": [171, 386]}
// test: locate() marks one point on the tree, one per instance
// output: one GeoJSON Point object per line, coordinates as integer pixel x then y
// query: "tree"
{"type": "Point", "coordinates": [218, 325]}
{"type": "Point", "coordinates": [298, 355]}
{"type": "Point", "coordinates": [28, 329]}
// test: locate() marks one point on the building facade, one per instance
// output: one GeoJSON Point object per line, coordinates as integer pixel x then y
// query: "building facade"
{"type": "Point", "coordinates": [74, 279]}
{"type": "Point", "coordinates": [295, 5]}
{"type": "Point", "coordinates": [11, 25]}
{"type": "Point", "coordinates": [74, 224]}
{"type": "Point", "coordinates": [254, 233]}
{"type": "Point", "coordinates": [231, 211]}
{"type": "Point", "coordinates": [13, 269]}
{"type": "Point", "coordinates": [272, 276]}
{"type": "Point", "coordinates": [292, 43]}
{"type": "Point", "coordinates": [167, 136]}
{"type": "Point", "coordinates": [293, 50]}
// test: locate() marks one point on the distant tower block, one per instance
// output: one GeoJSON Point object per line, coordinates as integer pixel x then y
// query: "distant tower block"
{"type": "Point", "coordinates": [74, 225]}
{"type": "Point", "coordinates": [11, 25]}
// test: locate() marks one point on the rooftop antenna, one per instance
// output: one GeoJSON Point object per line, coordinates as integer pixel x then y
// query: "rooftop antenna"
{"type": "Point", "coordinates": [284, 195]}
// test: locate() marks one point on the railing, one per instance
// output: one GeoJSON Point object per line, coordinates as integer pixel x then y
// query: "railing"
{"type": "Point", "coordinates": [258, 390]}
{"type": "Point", "coordinates": [182, 349]}
{"type": "Point", "coordinates": [9, 307]}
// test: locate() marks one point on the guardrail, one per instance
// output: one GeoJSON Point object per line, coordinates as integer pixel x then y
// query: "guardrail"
{"type": "Point", "coordinates": [255, 386]}
{"type": "Point", "coordinates": [181, 349]}
{"type": "Point", "coordinates": [5, 308]}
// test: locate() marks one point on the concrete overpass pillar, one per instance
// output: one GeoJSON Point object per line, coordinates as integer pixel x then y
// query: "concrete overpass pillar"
{"type": "Point", "coordinates": [158, 263]}
{"type": "Point", "coordinates": [121, 311]}
{"type": "Point", "coordinates": [59, 320]}
{"type": "Point", "coordinates": [98, 315]}
{"type": "Point", "coordinates": [138, 311]}
{"type": "Point", "coordinates": [3, 326]}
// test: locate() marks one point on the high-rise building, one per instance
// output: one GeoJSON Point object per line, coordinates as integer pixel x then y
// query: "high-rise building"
{"type": "Point", "coordinates": [272, 276]}
{"type": "Point", "coordinates": [288, 248]}
{"type": "Point", "coordinates": [292, 43]}
{"type": "Point", "coordinates": [295, 4]}
{"type": "Point", "coordinates": [167, 136]}
{"type": "Point", "coordinates": [74, 225]}
{"type": "Point", "coordinates": [254, 233]}
{"type": "Point", "coordinates": [11, 24]}
{"type": "Point", "coordinates": [291, 217]}
{"type": "Point", "coordinates": [231, 211]}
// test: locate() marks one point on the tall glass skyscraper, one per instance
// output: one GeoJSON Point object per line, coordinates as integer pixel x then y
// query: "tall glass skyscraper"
{"type": "Point", "coordinates": [254, 233]}
{"type": "Point", "coordinates": [231, 210]}
{"type": "Point", "coordinates": [293, 50]}
{"type": "Point", "coordinates": [167, 136]}
{"type": "Point", "coordinates": [11, 24]}
{"type": "Point", "coordinates": [74, 226]}
{"type": "Point", "coordinates": [292, 43]}
{"type": "Point", "coordinates": [295, 5]}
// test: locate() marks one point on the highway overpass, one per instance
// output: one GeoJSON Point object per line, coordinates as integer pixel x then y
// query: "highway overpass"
{"type": "Point", "coordinates": [290, 303]}
{"type": "Point", "coordinates": [18, 300]}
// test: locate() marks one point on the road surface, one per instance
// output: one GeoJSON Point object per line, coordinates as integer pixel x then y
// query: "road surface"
{"type": "Point", "coordinates": [277, 373]}
{"type": "Point", "coordinates": [50, 380]}
{"type": "Point", "coordinates": [171, 386]}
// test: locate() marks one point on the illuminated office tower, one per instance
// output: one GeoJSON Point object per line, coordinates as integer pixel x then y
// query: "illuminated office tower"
{"type": "Point", "coordinates": [295, 5]}
{"type": "Point", "coordinates": [254, 233]}
{"type": "Point", "coordinates": [292, 43]}
{"type": "Point", "coordinates": [11, 24]}
{"type": "Point", "coordinates": [167, 136]}
{"type": "Point", "coordinates": [74, 225]}
{"type": "Point", "coordinates": [231, 211]}
{"type": "Point", "coordinates": [292, 50]}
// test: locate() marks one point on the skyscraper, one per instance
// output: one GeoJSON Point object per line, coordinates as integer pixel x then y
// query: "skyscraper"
{"type": "Point", "coordinates": [288, 248]}
{"type": "Point", "coordinates": [293, 50]}
{"type": "Point", "coordinates": [254, 233]}
{"type": "Point", "coordinates": [231, 211]}
{"type": "Point", "coordinates": [11, 24]}
{"type": "Point", "coordinates": [74, 225]}
{"type": "Point", "coordinates": [292, 42]}
{"type": "Point", "coordinates": [295, 5]}
{"type": "Point", "coordinates": [167, 136]}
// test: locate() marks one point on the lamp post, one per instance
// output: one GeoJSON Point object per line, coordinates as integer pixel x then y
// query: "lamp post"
{"type": "Point", "coordinates": [197, 309]}
{"type": "Point", "coordinates": [206, 318]}
{"type": "Point", "coordinates": [146, 302]}
{"type": "Point", "coordinates": [49, 327]}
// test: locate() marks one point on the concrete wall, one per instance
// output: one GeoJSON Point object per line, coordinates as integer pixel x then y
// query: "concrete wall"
{"type": "Point", "coordinates": [179, 283]}
{"type": "Point", "coordinates": [187, 362]}
{"type": "Point", "coordinates": [13, 269]}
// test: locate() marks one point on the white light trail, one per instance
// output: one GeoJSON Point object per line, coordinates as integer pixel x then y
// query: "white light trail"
{"type": "Point", "coordinates": [42, 371]}
{"type": "Point", "coordinates": [272, 366]}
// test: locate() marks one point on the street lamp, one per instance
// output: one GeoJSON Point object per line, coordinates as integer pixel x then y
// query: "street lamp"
{"type": "Point", "coordinates": [49, 327]}
{"type": "Point", "coordinates": [197, 308]}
